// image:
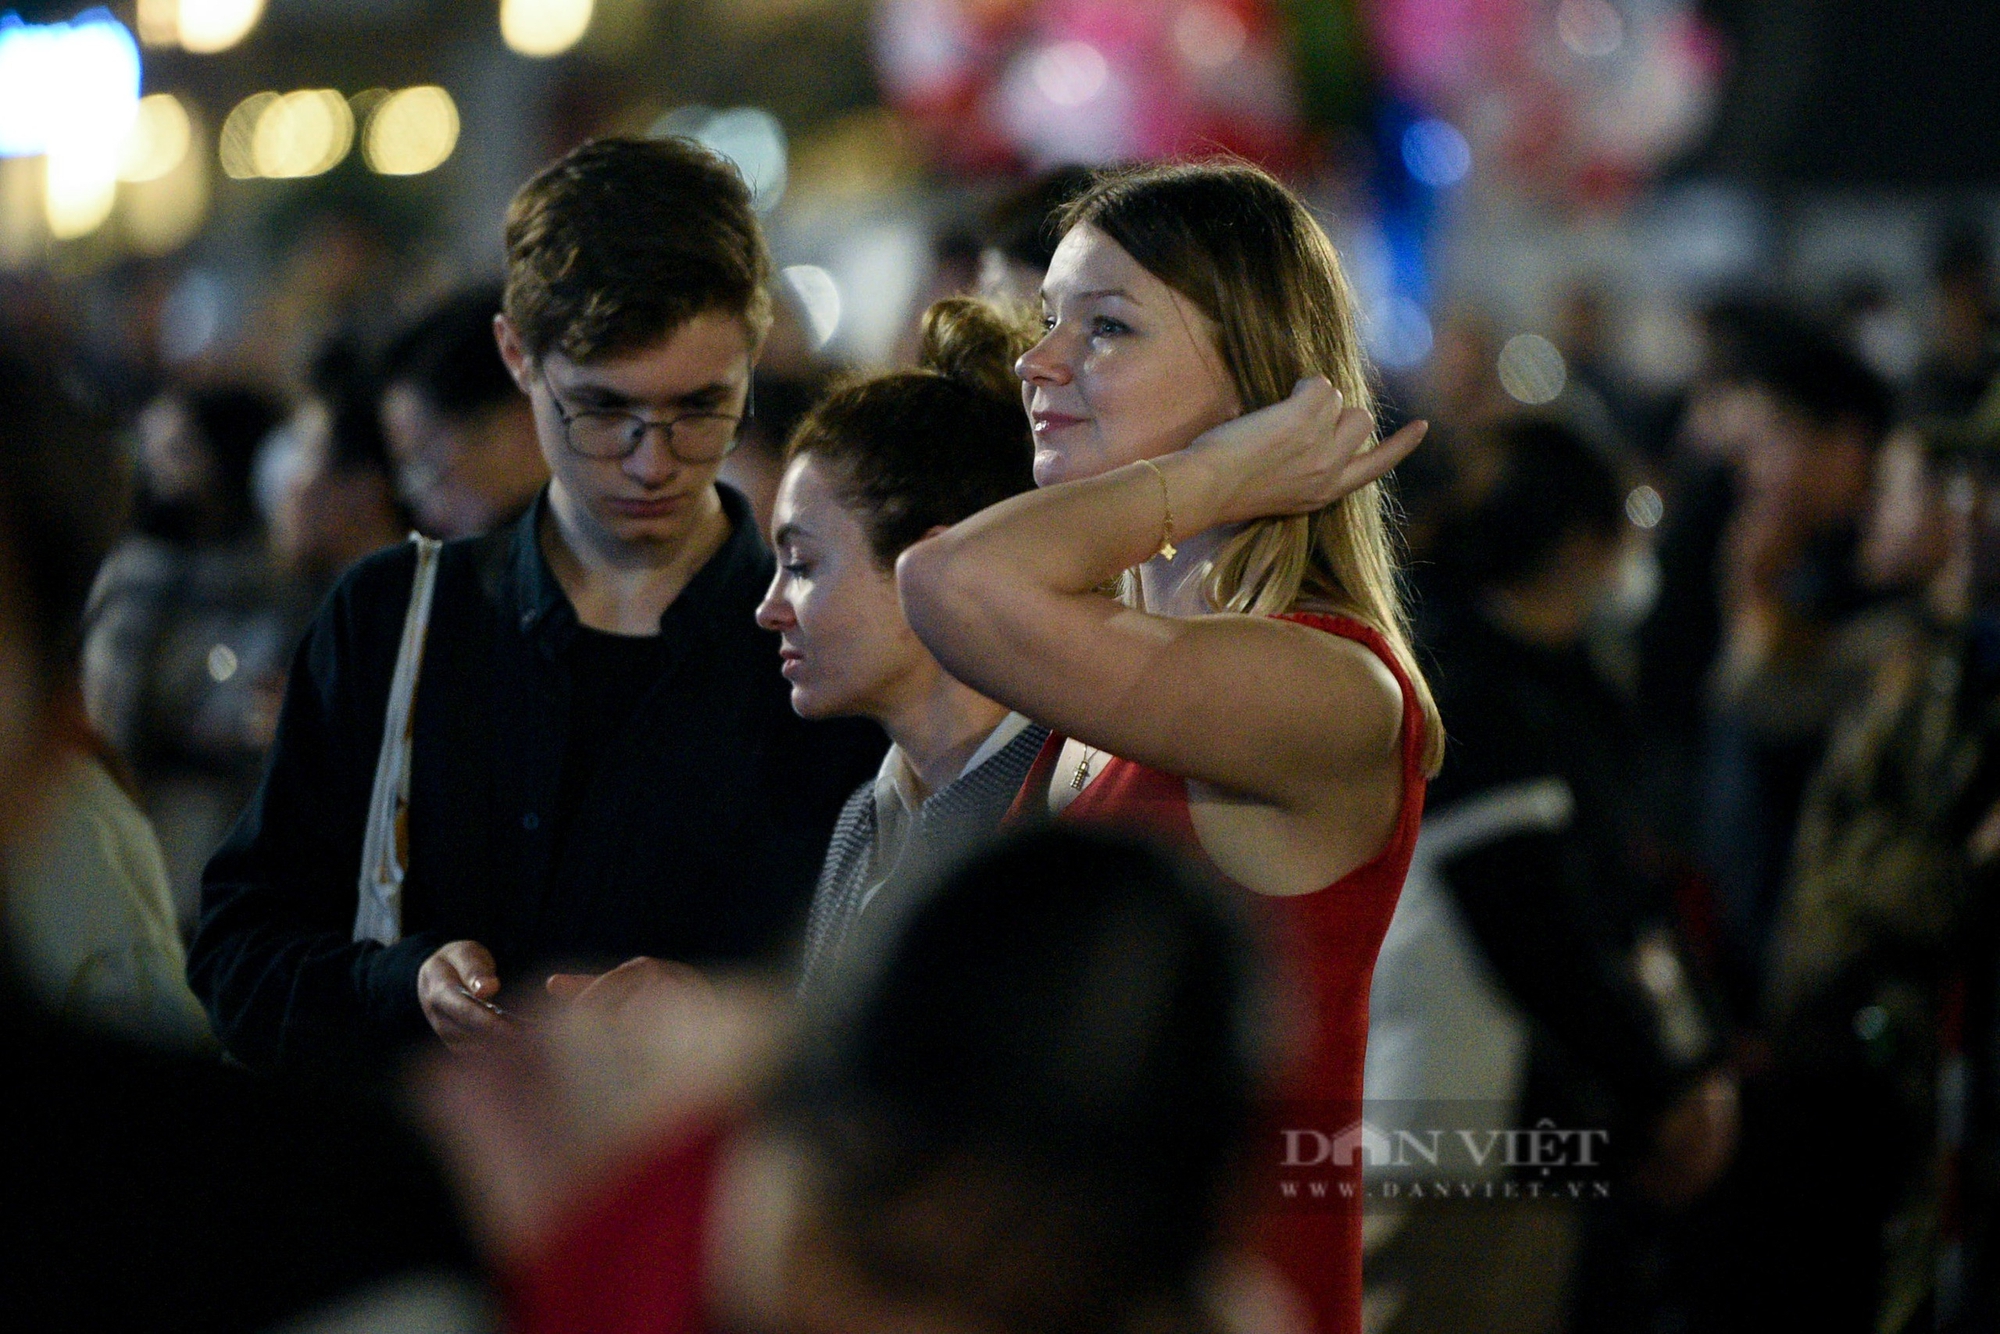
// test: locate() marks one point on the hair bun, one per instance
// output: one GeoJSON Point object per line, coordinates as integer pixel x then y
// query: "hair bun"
{"type": "Point", "coordinates": [975, 344]}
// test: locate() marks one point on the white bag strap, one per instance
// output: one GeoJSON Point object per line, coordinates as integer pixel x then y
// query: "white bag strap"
{"type": "Point", "coordinates": [378, 915]}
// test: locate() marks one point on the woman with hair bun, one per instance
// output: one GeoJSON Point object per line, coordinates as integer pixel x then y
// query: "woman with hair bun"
{"type": "Point", "coordinates": [1201, 412]}
{"type": "Point", "coordinates": [874, 468]}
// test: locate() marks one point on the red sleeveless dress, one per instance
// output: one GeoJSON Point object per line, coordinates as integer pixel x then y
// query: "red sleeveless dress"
{"type": "Point", "coordinates": [1329, 939]}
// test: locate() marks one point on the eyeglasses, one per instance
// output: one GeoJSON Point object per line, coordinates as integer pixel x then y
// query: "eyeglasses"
{"type": "Point", "coordinates": [693, 438]}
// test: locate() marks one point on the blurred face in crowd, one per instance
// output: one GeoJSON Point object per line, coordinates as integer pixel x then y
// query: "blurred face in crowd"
{"type": "Point", "coordinates": [652, 498]}
{"type": "Point", "coordinates": [174, 462]}
{"type": "Point", "coordinates": [1128, 368]}
{"type": "Point", "coordinates": [1819, 474]}
{"type": "Point", "coordinates": [326, 517]}
{"type": "Point", "coordinates": [1907, 535]}
{"type": "Point", "coordinates": [846, 648]}
{"type": "Point", "coordinates": [462, 475]}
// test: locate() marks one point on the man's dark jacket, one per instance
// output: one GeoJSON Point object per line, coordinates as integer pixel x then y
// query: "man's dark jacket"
{"type": "Point", "coordinates": [1558, 910]}
{"type": "Point", "coordinates": [696, 838]}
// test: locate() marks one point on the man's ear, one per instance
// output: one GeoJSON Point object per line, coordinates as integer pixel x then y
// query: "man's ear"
{"type": "Point", "coordinates": [512, 352]}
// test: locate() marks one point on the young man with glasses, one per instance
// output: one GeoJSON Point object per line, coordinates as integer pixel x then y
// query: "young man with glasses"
{"type": "Point", "coordinates": [603, 760]}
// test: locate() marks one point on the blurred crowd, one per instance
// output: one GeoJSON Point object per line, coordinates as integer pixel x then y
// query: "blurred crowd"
{"type": "Point", "coordinates": [1708, 864]}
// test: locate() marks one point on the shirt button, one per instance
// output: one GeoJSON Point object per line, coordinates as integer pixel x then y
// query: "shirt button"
{"type": "Point", "coordinates": [531, 822]}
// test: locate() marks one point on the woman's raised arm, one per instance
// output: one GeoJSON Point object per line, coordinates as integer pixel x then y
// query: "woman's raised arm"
{"type": "Point", "coordinates": [1007, 602]}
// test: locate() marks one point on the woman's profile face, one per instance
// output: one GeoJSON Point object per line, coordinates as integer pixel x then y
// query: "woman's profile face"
{"type": "Point", "coordinates": [1127, 369]}
{"type": "Point", "coordinates": [843, 642]}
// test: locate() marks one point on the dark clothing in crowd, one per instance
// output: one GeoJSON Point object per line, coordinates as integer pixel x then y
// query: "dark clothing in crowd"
{"type": "Point", "coordinates": [1579, 938]}
{"type": "Point", "coordinates": [1869, 943]}
{"type": "Point", "coordinates": [184, 655]}
{"type": "Point", "coordinates": [1570, 924]}
{"type": "Point", "coordinates": [1677, 644]}
{"type": "Point", "coordinates": [1766, 734]}
{"type": "Point", "coordinates": [575, 801]}
{"type": "Point", "coordinates": [165, 1193]}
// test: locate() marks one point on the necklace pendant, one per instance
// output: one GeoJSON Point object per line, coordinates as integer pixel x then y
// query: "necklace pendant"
{"type": "Point", "coordinates": [1168, 549]}
{"type": "Point", "coordinates": [1081, 775]}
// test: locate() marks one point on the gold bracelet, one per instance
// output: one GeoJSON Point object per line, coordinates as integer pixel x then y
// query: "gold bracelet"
{"type": "Point", "coordinates": [1166, 499]}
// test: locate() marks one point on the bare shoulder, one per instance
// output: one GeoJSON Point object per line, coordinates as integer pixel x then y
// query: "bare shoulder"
{"type": "Point", "coordinates": [1364, 690]}
{"type": "Point", "coordinates": [1327, 689]}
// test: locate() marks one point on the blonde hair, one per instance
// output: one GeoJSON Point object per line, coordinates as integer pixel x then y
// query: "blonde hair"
{"type": "Point", "coordinates": [1249, 255]}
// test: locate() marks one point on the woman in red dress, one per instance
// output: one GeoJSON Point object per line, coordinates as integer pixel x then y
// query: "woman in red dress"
{"type": "Point", "coordinates": [1201, 412]}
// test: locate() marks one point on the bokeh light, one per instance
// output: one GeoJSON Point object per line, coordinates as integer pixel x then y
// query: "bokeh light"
{"type": "Point", "coordinates": [1398, 333]}
{"type": "Point", "coordinates": [750, 137]}
{"type": "Point", "coordinates": [1645, 507]}
{"type": "Point", "coordinates": [1592, 29]}
{"type": "Point", "coordinates": [302, 134]}
{"type": "Point", "coordinates": [1070, 74]}
{"type": "Point", "coordinates": [410, 131]}
{"type": "Point", "coordinates": [239, 133]}
{"type": "Point", "coordinates": [66, 85]}
{"type": "Point", "coordinates": [23, 224]}
{"type": "Point", "coordinates": [158, 140]}
{"type": "Point", "coordinates": [159, 214]}
{"type": "Point", "coordinates": [159, 22]}
{"type": "Point", "coordinates": [208, 26]}
{"type": "Point", "coordinates": [70, 92]}
{"type": "Point", "coordinates": [1436, 153]}
{"type": "Point", "coordinates": [1209, 36]}
{"type": "Point", "coordinates": [543, 27]}
{"type": "Point", "coordinates": [818, 296]}
{"type": "Point", "coordinates": [80, 193]}
{"type": "Point", "coordinates": [1532, 370]}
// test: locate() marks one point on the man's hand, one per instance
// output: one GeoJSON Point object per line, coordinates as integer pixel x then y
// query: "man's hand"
{"type": "Point", "coordinates": [456, 987]}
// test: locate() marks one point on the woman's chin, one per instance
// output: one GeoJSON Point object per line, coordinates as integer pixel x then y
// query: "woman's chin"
{"type": "Point", "coordinates": [1050, 467]}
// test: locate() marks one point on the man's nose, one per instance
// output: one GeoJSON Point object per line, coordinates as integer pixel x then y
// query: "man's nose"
{"type": "Point", "coordinates": [652, 462]}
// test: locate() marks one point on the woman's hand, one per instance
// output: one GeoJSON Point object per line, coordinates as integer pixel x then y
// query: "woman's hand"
{"type": "Point", "coordinates": [1296, 456]}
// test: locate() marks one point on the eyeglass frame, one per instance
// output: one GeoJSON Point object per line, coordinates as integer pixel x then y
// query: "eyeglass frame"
{"type": "Point", "coordinates": [647, 424]}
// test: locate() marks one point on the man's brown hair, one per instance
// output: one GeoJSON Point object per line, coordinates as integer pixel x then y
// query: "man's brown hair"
{"type": "Point", "coordinates": [622, 241]}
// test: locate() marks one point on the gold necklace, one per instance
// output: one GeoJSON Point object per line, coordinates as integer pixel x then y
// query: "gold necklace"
{"type": "Point", "coordinates": [1082, 774]}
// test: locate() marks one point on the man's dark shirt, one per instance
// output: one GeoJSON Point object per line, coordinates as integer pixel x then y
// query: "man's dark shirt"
{"type": "Point", "coordinates": [1557, 911]}
{"type": "Point", "coordinates": [548, 821]}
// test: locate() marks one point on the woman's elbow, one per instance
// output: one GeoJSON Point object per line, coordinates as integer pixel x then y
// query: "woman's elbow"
{"type": "Point", "coordinates": [935, 583]}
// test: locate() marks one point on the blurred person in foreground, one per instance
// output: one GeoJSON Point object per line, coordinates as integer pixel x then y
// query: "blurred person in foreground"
{"type": "Point", "coordinates": [1811, 418]}
{"type": "Point", "coordinates": [155, 1191]}
{"type": "Point", "coordinates": [1028, 1105]}
{"type": "Point", "coordinates": [89, 907]}
{"type": "Point", "coordinates": [461, 431]}
{"type": "Point", "coordinates": [1870, 954]}
{"type": "Point", "coordinates": [1532, 836]}
{"type": "Point", "coordinates": [188, 623]}
{"type": "Point", "coordinates": [874, 468]}
{"type": "Point", "coordinates": [1200, 410]}
{"type": "Point", "coordinates": [601, 760]}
